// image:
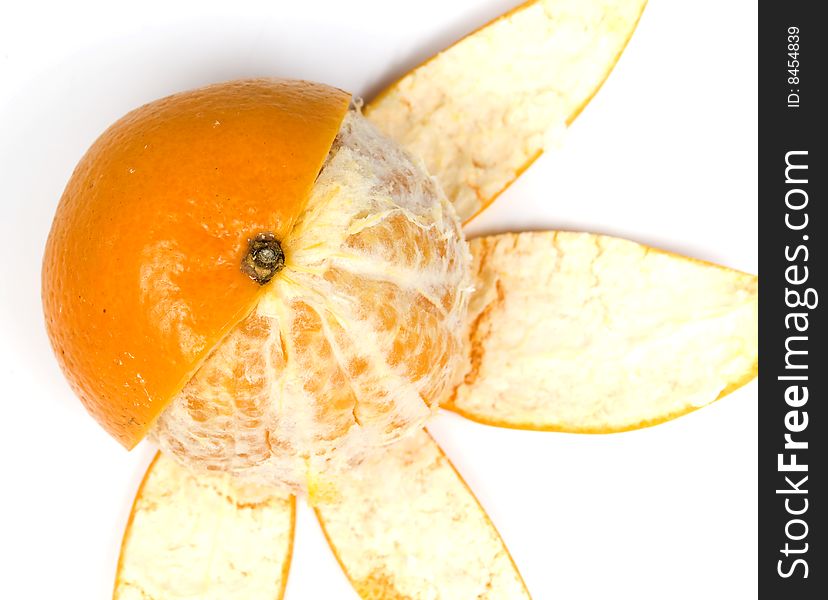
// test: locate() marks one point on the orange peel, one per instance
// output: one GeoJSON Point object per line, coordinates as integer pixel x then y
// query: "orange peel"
{"type": "Point", "coordinates": [204, 537]}
{"type": "Point", "coordinates": [405, 526]}
{"type": "Point", "coordinates": [141, 275]}
{"type": "Point", "coordinates": [480, 112]}
{"type": "Point", "coordinates": [588, 333]}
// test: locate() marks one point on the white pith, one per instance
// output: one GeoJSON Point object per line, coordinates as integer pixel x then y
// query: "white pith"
{"type": "Point", "coordinates": [377, 258]}
{"type": "Point", "coordinates": [481, 111]}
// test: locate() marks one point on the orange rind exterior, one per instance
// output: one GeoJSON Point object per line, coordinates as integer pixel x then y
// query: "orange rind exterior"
{"type": "Point", "coordinates": [141, 274]}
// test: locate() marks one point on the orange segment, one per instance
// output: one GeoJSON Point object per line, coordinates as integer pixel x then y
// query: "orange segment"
{"type": "Point", "coordinates": [141, 274]}
{"type": "Point", "coordinates": [405, 526]}
{"type": "Point", "coordinates": [480, 112]}
{"type": "Point", "coordinates": [587, 333]}
{"type": "Point", "coordinates": [205, 537]}
{"type": "Point", "coordinates": [353, 343]}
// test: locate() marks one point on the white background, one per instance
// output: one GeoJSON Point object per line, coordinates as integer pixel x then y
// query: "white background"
{"type": "Point", "coordinates": [665, 154]}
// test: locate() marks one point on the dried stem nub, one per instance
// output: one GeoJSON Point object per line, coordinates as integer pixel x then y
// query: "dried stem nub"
{"type": "Point", "coordinates": [264, 258]}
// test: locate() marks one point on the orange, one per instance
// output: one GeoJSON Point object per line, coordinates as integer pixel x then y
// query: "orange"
{"type": "Point", "coordinates": [141, 272]}
{"type": "Point", "coordinates": [154, 313]}
{"type": "Point", "coordinates": [352, 344]}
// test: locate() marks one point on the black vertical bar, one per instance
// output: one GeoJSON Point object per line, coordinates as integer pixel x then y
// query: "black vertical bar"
{"type": "Point", "coordinates": [792, 364]}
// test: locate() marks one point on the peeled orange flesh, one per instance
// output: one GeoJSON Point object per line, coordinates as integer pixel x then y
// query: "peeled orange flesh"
{"type": "Point", "coordinates": [352, 344]}
{"type": "Point", "coordinates": [163, 322]}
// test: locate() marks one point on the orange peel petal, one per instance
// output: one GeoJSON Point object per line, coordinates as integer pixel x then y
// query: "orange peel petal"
{"type": "Point", "coordinates": [592, 334]}
{"type": "Point", "coordinates": [480, 112]}
{"type": "Point", "coordinates": [406, 527]}
{"type": "Point", "coordinates": [204, 537]}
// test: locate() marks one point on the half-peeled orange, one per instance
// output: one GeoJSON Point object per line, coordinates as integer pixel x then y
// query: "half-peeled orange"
{"type": "Point", "coordinates": [163, 319]}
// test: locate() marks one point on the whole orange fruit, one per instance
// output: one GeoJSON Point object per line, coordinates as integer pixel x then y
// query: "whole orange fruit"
{"type": "Point", "coordinates": [257, 277]}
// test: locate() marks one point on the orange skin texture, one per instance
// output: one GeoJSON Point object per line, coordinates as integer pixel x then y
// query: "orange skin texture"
{"type": "Point", "coordinates": [141, 273]}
